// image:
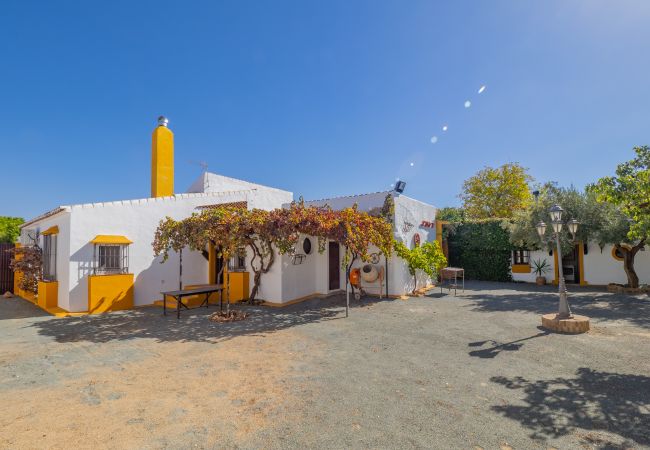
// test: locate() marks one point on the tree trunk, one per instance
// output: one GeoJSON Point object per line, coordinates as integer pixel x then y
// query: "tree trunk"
{"type": "Point", "coordinates": [263, 268]}
{"type": "Point", "coordinates": [227, 280]}
{"type": "Point", "coordinates": [628, 262]}
{"type": "Point", "coordinates": [415, 281]}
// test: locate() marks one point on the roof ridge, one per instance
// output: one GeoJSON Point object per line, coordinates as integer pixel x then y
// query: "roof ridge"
{"type": "Point", "coordinates": [175, 197]}
{"type": "Point", "coordinates": [347, 196]}
{"type": "Point", "coordinates": [137, 201]}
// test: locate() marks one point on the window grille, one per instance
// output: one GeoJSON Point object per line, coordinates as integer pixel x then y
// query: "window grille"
{"type": "Point", "coordinates": [237, 263]}
{"type": "Point", "coordinates": [49, 257]}
{"type": "Point", "coordinates": [521, 257]}
{"type": "Point", "coordinates": [111, 259]}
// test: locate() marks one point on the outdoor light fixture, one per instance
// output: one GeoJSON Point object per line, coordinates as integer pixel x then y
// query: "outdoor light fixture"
{"type": "Point", "coordinates": [556, 221]}
{"type": "Point", "coordinates": [557, 226]}
{"type": "Point", "coordinates": [556, 213]}
{"type": "Point", "coordinates": [400, 186]}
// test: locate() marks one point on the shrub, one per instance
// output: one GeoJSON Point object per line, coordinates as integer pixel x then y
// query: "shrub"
{"type": "Point", "coordinates": [482, 248]}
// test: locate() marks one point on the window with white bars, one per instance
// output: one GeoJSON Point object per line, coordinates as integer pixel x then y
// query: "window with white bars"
{"type": "Point", "coordinates": [49, 257]}
{"type": "Point", "coordinates": [111, 259]}
{"type": "Point", "coordinates": [237, 263]}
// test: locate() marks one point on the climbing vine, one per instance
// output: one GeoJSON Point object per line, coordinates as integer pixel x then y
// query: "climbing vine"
{"type": "Point", "coordinates": [230, 229]}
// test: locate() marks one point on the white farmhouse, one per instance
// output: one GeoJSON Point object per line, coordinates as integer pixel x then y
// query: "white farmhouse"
{"type": "Point", "coordinates": [98, 257]}
{"type": "Point", "coordinates": [587, 264]}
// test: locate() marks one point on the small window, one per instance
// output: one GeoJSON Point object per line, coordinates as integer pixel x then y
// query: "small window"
{"type": "Point", "coordinates": [49, 257]}
{"type": "Point", "coordinates": [111, 259]}
{"type": "Point", "coordinates": [521, 257]}
{"type": "Point", "coordinates": [237, 263]}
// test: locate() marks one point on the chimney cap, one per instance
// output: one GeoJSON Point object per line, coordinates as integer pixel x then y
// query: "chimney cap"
{"type": "Point", "coordinates": [163, 121]}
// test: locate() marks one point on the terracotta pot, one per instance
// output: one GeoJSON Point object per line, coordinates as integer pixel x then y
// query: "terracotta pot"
{"type": "Point", "coordinates": [540, 281]}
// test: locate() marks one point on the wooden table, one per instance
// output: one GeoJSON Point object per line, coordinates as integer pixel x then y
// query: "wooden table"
{"type": "Point", "coordinates": [178, 297]}
{"type": "Point", "coordinates": [452, 273]}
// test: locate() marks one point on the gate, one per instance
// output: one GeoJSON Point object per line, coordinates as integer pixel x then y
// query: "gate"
{"type": "Point", "coordinates": [6, 274]}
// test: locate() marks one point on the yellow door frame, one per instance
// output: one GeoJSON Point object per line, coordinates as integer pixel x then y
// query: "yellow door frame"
{"type": "Point", "coordinates": [581, 265]}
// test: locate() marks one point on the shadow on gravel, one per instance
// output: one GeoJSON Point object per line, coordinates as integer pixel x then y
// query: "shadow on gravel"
{"type": "Point", "coordinates": [497, 348]}
{"type": "Point", "coordinates": [193, 325]}
{"type": "Point", "coordinates": [18, 308]}
{"type": "Point", "coordinates": [599, 305]}
{"type": "Point", "coordinates": [593, 401]}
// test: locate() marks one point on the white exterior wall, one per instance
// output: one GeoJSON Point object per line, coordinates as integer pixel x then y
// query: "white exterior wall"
{"type": "Point", "coordinates": [409, 217]}
{"type": "Point", "coordinates": [62, 220]}
{"type": "Point", "coordinates": [137, 220]}
{"type": "Point", "coordinates": [413, 212]}
{"type": "Point", "coordinates": [534, 256]}
{"type": "Point", "coordinates": [600, 267]}
{"type": "Point", "coordinates": [287, 281]}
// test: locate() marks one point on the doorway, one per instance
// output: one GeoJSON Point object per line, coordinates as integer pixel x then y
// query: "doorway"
{"type": "Point", "coordinates": [334, 266]}
{"type": "Point", "coordinates": [571, 266]}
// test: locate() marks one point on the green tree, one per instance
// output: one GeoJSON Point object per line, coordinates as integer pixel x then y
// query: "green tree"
{"type": "Point", "coordinates": [629, 190]}
{"type": "Point", "coordinates": [496, 192]}
{"type": "Point", "coordinates": [10, 229]}
{"type": "Point", "coordinates": [427, 257]}
{"type": "Point", "coordinates": [451, 214]}
{"type": "Point", "coordinates": [600, 222]}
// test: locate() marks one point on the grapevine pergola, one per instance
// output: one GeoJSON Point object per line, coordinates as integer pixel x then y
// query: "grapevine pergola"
{"type": "Point", "coordinates": [230, 229]}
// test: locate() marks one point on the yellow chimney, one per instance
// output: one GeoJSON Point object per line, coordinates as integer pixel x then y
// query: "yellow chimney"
{"type": "Point", "coordinates": [162, 160]}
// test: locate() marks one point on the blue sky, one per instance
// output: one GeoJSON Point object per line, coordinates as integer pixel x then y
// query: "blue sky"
{"type": "Point", "coordinates": [320, 98]}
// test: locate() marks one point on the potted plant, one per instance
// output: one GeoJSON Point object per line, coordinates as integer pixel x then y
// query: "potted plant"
{"type": "Point", "coordinates": [540, 267]}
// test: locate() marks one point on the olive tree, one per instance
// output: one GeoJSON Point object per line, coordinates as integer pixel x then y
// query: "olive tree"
{"type": "Point", "coordinates": [600, 222]}
{"type": "Point", "coordinates": [629, 190]}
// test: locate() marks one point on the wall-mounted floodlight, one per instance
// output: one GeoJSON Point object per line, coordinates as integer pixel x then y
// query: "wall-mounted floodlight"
{"type": "Point", "coordinates": [400, 186]}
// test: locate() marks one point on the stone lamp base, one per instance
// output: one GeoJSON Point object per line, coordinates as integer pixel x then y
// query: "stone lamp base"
{"type": "Point", "coordinates": [575, 325]}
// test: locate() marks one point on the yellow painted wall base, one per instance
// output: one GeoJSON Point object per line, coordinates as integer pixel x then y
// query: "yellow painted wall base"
{"type": "Point", "coordinates": [194, 300]}
{"type": "Point", "coordinates": [521, 268]}
{"type": "Point", "coordinates": [48, 293]}
{"type": "Point", "coordinates": [17, 277]}
{"type": "Point", "coordinates": [110, 293]}
{"type": "Point", "coordinates": [239, 283]}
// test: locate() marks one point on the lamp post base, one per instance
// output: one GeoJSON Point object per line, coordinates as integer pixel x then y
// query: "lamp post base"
{"type": "Point", "coordinates": [573, 325]}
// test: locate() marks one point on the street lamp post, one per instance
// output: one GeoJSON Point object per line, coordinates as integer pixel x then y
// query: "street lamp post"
{"type": "Point", "coordinates": [564, 311]}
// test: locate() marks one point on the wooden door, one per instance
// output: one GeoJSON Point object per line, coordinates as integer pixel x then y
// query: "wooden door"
{"type": "Point", "coordinates": [334, 266]}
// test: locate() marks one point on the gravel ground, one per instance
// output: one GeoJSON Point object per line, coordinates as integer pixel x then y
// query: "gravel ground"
{"type": "Point", "coordinates": [471, 371]}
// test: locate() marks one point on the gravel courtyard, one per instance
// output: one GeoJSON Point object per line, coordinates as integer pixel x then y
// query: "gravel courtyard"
{"type": "Point", "coordinates": [444, 372]}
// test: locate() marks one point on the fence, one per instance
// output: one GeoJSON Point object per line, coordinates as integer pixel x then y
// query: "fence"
{"type": "Point", "coordinates": [6, 274]}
